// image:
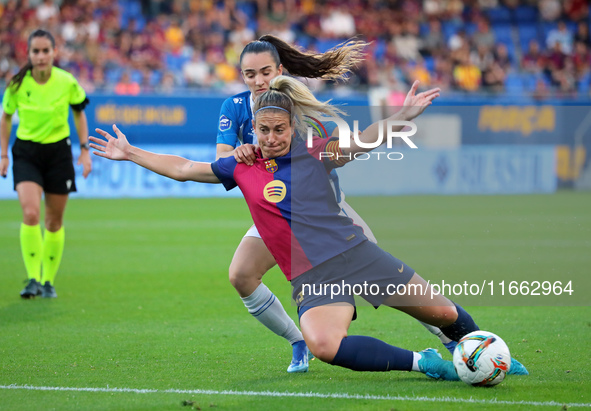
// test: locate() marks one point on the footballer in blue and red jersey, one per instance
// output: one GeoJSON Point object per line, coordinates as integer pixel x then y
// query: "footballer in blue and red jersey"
{"type": "Point", "coordinates": [235, 128]}
{"type": "Point", "coordinates": [294, 210]}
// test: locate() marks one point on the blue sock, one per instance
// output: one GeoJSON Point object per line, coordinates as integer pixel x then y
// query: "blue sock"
{"type": "Point", "coordinates": [463, 325]}
{"type": "Point", "coordinates": [360, 353]}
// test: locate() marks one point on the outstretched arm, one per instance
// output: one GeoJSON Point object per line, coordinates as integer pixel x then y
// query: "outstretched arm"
{"type": "Point", "coordinates": [414, 105]}
{"type": "Point", "coordinates": [175, 167]}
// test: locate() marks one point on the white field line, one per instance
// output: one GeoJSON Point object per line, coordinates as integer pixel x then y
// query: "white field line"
{"type": "Point", "coordinates": [300, 394]}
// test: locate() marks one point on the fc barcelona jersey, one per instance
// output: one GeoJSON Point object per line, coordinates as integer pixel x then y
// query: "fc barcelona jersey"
{"type": "Point", "coordinates": [293, 205]}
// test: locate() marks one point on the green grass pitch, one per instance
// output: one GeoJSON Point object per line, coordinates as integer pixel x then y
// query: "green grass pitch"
{"type": "Point", "coordinates": [145, 304]}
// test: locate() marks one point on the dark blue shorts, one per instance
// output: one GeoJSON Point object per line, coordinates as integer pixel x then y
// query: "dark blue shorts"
{"type": "Point", "coordinates": [365, 270]}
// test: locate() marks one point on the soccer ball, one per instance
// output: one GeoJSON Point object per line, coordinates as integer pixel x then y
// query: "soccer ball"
{"type": "Point", "coordinates": [482, 358]}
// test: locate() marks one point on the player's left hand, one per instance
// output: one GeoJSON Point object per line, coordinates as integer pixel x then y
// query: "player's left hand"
{"type": "Point", "coordinates": [415, 104]}
{"type": "Point", "coordinates": [246, 153]}
{"type": "Point", "coordinates": [86, 162]}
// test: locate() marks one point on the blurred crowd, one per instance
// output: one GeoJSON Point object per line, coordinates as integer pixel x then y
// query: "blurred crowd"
{"type": "Point", "coordinates": [540, 48]}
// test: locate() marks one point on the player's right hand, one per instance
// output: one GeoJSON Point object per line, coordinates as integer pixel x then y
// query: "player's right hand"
{"type": "Point", "coordinates": [111, 147]}
{"type": "Point", "coordinates": [4, 163]}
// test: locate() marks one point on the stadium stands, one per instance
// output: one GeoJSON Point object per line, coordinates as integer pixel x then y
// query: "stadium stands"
{"type": "Point", "coordinates": [117, 36]}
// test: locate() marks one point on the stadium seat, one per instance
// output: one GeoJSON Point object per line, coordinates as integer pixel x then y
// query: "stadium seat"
{"type": "Point", "coordinates": [526, 14]}
{"type": "Point", "coordinates": [527, 32]}
{"type": "Point", "coordinates": [248, 8]}
{"type": "Point", "coordinates": [140, 23]}
{"type": "Point", "coordinates": [136, 76]}
{"type": "Point", "coordinates": [430, 64]}
{"type": "Point", "coordinates": [424, 29]}
{"type": "Point", "coordinates": [499, 15]}
{"type": "Point", "coordinates": [470, 28]}
{"type": "Point", "coordinates": [512, 51]}
{"type": "Point", "coordinates": [449, 28]}
{"type": "Point", "coordinates": [174, 62]}
{"type": "Point", "coordinates": [503, 33]}
{"type": "Point", "coordinates": [529, 81]}
{"type": "Point", "coordinates": [584, 84]}
{"type": "Point", "coordinates": [113, 75]}
{"type": "Point", "coordinates": [514, 83]}
{"type": "Point", "coordinates": [323, 45]}
{"type": "Point", "coordinates": [156, 77]}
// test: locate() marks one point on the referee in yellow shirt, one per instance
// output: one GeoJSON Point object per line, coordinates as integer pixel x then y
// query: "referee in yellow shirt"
{"type": "Point", "coordinates": [42, 156]}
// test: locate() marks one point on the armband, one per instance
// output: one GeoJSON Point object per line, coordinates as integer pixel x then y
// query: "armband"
{"type": "Point", "coordinates": [80, 106]}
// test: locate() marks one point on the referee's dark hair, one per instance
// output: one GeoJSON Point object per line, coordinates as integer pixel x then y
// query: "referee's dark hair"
{"type": "Point", "coordinates": [334, 64]}
{"type": "Point", "coordinates": [17, 79]}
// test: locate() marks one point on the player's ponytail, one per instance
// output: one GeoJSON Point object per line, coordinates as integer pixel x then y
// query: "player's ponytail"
{"type": "Point", "coordinates": [17, 79]}
{"type": "Point", "coordinates": [334, 64]}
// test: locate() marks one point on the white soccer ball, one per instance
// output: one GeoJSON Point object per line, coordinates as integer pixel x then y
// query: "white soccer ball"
{"type": "Point", "coordinates": [482, 358]}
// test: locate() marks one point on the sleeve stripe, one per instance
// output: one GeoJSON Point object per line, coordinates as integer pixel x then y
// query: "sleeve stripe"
{"type": "Point", "coordinates": [338, 158]}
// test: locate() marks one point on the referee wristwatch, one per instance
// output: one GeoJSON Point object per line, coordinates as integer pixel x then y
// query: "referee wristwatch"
{"type": "Point", "coordinates": [85, 146]}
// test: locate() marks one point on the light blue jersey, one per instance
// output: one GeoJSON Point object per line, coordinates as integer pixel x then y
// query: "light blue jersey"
{"type": "Point", "coordinates": [235, 122]}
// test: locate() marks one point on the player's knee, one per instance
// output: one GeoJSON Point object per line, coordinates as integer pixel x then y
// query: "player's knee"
{"type": "Point", "coordinates": [242, 278]}
{"type": "Point", "coordinates": [53, 225]}
{"type": "Point", "coordinates": [324, 347]}
{"type": "Point", "coordinates": [447, 315]}
{"type": "Point", "coordinates": [31, 215]}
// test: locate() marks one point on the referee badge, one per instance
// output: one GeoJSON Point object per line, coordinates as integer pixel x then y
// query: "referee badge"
{"type": "Point", "coordinates": [271, 166]}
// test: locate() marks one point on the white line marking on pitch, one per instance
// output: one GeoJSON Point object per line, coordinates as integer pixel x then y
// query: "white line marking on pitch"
{"type": "Point", "coordinates": [299, 394]}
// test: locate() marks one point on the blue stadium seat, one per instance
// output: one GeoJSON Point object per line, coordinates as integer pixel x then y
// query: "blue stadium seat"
{"type": "Point", "coordinates": [156, 77]}
{"type": "Point", "coordinates": [526, 14]}
{"type": "Point", "coordinates": [136, 76]}
{"type": "Point", "coordinates": [134, 9]}
{"type": "Point", "coordinates": [511, 50]}
{"type": "Point", "coordinates": [113, 75]}
{"type": "Point", "coordinates": [514, 83]}
{"type": "Point", "coordinates": [323, 45]}
{"type": "Point", "coordinates": [449, 28]}
{"type": "Point", "coordinates": [529, 81]}
{"type": "Point", "coordinates": [499, 15]}
{"type": "Point", "coordinates": [470, 28]}
{"type": "Point", "coordinates": [527, 32]}
{"type": "Point", "coordinates": [584, 85]}
{"type": "Point", "coordinates": [380, 49]}
{"type": "Point", "coordinates": [503, 33]}
{"type": "Point", "coordinates": [174, 62]}
{"type": "Point", "coordinates": [140, 23]}
{"type": "Point", "coordinates": [247, 8]}
{"type": "Point", "coordinates": [123, 20]}
{"type": "Point", "coordinates": [572, 26]}
{"type": "Point", "coordinates": [424, 29]}
{"type": "Point", "coordinates": [430, 64]}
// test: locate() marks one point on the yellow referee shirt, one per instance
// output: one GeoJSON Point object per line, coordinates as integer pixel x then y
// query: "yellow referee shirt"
{"type": "Point", "coordinates": [43, 108]}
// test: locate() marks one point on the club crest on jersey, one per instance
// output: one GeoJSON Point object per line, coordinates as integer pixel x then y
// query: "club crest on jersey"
{"type": "Point", "coordinates": [275, 191]}
{"type": "Point", "coordinates": [271, 166]}
{"type": "Point", "coordinates": [225, 123]}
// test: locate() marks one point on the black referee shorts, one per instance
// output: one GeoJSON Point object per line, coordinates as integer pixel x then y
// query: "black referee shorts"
{"type": "Point", "coordinates": [49, 165]}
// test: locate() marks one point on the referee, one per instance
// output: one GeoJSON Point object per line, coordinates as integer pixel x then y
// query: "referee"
{"type": "Point", "coordinates": [42, 156]}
